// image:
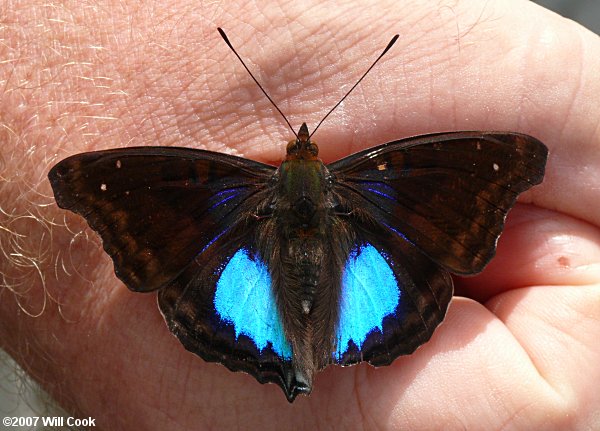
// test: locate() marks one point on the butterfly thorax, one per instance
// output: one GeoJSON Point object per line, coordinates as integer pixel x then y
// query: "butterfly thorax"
{"type": "Point", "coordinates": [303, 181]}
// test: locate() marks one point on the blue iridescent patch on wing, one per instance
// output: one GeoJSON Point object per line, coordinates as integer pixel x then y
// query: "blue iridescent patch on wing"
{"type": "Point", "coordinates": [223, 196]}
{"type": "Point", "coordinates": [244, 299]}
{"type": "Point", "coordinates": [370, 292]}
{"type": "Point", "coordinates": [382, 189]}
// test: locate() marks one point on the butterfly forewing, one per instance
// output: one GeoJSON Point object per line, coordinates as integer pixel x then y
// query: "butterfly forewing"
{"type": "Point", "coordinates": [446, 193]}
{"type": "Point", "coordinates": [157, 208]}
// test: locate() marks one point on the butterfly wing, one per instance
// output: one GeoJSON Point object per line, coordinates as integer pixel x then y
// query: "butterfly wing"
{"type": "Point", "coordinates": [392, 299]}
{"type": "Point", "coordinates": [422, 207]}
{"type": "Point", "coordinates": [223, 308]}
{"type": "Point", "coordinates": [157, 208]}
{"type": "Point", "coordinates": [182, 220]}
{"type": "Point", "coordinates": [446, 193]}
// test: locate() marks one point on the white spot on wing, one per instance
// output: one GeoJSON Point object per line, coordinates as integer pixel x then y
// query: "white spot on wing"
{"type": "Point", "coordinates": [496, 167]}
{"type": "Point", "coordinates": [103, 187]}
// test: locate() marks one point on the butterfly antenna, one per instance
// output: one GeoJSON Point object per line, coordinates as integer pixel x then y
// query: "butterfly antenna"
{"type": "Point", "coordinates": [387, 48]}
{"type": "Point", "coordinates": [224, 36]}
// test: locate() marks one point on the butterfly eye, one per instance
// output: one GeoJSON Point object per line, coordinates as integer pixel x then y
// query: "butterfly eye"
{"type": "Point", "coordinates": [313, 149]}
{"type": "Point", "coordinates": [291, 147]}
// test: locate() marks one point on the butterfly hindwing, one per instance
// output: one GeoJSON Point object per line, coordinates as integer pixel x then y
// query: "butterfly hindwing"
{"type": "Point", "coordinates": [156, 208]}
{"type": "Point", "coordinates": [392, 299]}
{"type": "Point", "coordinates": [447, 193]}
{"type": "Point", "coordinates": [222, 307]}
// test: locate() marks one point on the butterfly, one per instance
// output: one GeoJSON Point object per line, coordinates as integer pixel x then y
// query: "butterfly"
{"type": "Point", "coordinates": [281, 271]}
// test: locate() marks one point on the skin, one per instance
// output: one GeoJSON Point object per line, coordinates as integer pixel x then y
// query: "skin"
{"type": "Point", "coordinates": [519, 348]}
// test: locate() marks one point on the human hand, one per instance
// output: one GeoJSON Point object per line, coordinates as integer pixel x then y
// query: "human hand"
{"type": "Point", "coordinates": [519, 346]}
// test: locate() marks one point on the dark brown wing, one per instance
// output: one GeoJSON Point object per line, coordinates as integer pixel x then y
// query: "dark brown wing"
{"type": "Point", "coordinates": [157, 208]}
{"type": "Point", "coordinates": [447, 193]}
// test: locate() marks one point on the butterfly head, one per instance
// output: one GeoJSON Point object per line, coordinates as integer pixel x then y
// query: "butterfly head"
{"type": "Point", "coordinates": [302, 148]}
